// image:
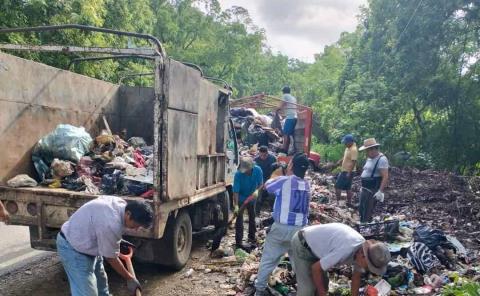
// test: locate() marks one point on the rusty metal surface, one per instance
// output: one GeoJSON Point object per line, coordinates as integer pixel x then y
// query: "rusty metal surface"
{"type": "Point", "coordinates": [136, 108]}
{"type": "Point", "coordinates": [79, 49]}
{"type": "Point", "coordinates": [183, 87]}
{"type": "Point", "coordinates": [35, 98]}
{"type": "Point", "coordinates": [182, 154]}
{"type": "Point", "coordinates": [207, 118]}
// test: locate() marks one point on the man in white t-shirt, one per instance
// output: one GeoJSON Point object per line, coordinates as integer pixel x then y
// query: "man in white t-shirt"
{"type": "Point", "coordinates": [289, 108]}
{"type": "Point", "coordinates": [318, 248]}
{"type": "Point", "coordinates": [374, 179]}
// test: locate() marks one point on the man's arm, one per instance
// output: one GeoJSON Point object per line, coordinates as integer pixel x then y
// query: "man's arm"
{"type": "Point", "coordinates": [4, 216]}
{"type": "Point", "coordinates": [356, 277]}
{"type": "Point", "coordinates": [354, 163]}
{"type": "Point", "coordinates": [317, 276]}
{"type": "Point", "coordinates": [384, 174]}
{"type": "Point", "coordinates": [117, 265]}
{"type": "Point", "coordinates": [235, 199]}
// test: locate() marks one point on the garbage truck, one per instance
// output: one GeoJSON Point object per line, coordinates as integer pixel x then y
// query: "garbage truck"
{"type": "Point", "coordinates": [183, 115]}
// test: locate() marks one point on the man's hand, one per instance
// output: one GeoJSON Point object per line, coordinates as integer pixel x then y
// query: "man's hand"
{"type": "Point", "coordinates": [380, 196]}
{"type": "Point", "coordinates": [235, 210]}
{"type": "Point", "coordinates": [4, 216]}
{"type": "Point", "coordinates": [133, 284]}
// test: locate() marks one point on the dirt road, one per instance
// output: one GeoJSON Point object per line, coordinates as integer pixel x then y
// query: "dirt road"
{"type": "Point", "coordinates": [43, 275]}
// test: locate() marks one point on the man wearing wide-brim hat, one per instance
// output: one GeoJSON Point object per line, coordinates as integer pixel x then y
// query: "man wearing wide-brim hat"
{"type": "Point", "coordinates": [374, 179]}
{"type": "Point", "coordinates": [319, 248]}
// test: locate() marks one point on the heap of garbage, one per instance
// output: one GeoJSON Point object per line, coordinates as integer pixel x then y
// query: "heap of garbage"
{"type": "Point", "coordinates": [255, 130]}
{"type": "Point", "coordinates": [70, 158]}
{"type": "Point", "coordinates": [431, 255]}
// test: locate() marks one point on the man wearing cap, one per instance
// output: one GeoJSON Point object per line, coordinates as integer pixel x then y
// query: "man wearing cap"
{"type": "Point", "coordinates": [317, 248]}
{"type": "Point", "coordinates": [266, 162]}
{"type": "Point", "coordinates": [248, 179]}
{"type": "Point", "coordinates": [349, 161]}
{"type": "Point", "coordinates": [290, 214]}
{"type": "Point", "coordinates": [289, 108]}
{"type": "Point", "coordinates": [374, 179]}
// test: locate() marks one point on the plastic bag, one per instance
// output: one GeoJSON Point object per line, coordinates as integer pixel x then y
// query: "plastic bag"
{"type": "Point", "coordinates": [21, 181]}
{"type": "Point", "coordinates": [66, 142]}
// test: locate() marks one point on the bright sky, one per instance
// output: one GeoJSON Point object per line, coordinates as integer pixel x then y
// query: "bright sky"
{"type": "Point", "coordinates": [301, 28]}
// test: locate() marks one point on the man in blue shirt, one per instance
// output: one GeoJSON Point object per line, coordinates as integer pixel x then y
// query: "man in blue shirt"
{"type": "Point", "coordinates": [266, 162]}
{"type": "Point", "coordinates": [248, 179]}
{"type": "Point", "coordinates": [290, 213]}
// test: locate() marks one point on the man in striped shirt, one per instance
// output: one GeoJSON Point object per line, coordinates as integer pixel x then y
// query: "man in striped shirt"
{"type": "Point", "coordinates": [290, 213]}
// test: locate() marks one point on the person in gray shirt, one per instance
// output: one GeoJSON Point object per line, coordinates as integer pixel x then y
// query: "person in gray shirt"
{"type": "Point", "coordinates": [374, 179]}
{"type": "Point", "coordinates": [318, 248]}
{"type": "Point", "coordinates": [94, 232]}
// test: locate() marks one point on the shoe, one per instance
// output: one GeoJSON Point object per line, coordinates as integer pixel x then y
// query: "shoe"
{"type": "Point", "coordinates": [244, 247]}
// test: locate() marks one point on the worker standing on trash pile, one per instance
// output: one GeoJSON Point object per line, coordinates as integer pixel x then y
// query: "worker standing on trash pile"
{"type": "Point", "coordinates": [374, 179]}
{"type": "Point", "coordinates": [94, 232]}
{"type": "Point", "coordinates": [289, 109]}
{"type": "Point", "coordinates": [247, 181]}
{"type": "Point", "coordinates": [317, 248]}
{"type": "Point", "coordinates": [4, 216]}
{"type": "Point", "coordinates": [292, 198]}
{"type": "Point", "coordinates": [348, 162]}
{"type": "Point", "coordinates": [266, 162]}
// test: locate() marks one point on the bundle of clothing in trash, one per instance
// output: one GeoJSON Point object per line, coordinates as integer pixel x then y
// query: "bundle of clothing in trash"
{"type": "Point", "coordinates": [70, 158]}
{"type": "Point", "coordinates": [257, 129]}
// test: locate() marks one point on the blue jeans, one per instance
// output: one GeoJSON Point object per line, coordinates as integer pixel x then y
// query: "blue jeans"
{"type": "Point", "coordinates": [86, 274]}
{"type": "Point", "coordinates": [276, 245]}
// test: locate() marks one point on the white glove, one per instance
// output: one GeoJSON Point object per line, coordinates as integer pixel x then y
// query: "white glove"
{"type": "Point", "coordinates": [380, 196]}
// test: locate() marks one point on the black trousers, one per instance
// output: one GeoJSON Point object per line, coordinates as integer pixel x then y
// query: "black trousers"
{"type": "Point", "coordinates": [250, 208]}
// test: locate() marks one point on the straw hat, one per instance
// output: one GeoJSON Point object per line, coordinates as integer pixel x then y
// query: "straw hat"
{"type": "Point", "coordinates": [377, 255]}
{"type": "Point", "coordinates": [369, 143]}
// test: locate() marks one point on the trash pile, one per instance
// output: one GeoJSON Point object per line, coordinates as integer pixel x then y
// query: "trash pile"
{"type": "Point", "coordinates": [432, 251]}
{"type": "Point", "coordinates": [255, 130]}
{"type": "Point", "coordinates": [70, 158]}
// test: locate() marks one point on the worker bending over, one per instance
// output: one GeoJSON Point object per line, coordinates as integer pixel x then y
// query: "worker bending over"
{"type": "Point", "coordinates": [94, 232]}
{"type": "Point", "coordinates": [317, 248]}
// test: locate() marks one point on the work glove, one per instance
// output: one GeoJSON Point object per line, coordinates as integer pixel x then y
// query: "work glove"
{"type": "Point", "coordinates": [235, 210]}
{"type": "Point", "coordinates": [380, 196]}
{"type": "Point", "coordinates": [133, 285]}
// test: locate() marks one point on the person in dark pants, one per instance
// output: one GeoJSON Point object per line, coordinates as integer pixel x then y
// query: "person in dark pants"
{"type": "Point", "coordinates": [374, 179]}
{"type": "Point", "coordinates": [266, 162]}
{"type": "Point", "coordinates": [348, 162]}
{"type": "Point", "coordinates": [248, 179]}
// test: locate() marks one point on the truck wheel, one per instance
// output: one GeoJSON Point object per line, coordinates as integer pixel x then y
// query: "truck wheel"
{"type": "Point", "coordinates": [179, 240]}
{"type": "Point", "coordinates": [224, 201]}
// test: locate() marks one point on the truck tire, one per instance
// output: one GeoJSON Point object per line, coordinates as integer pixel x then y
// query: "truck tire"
{"type": "Point", "coordinates": [224, 201]}
{"type": "Point", "coordinates": [179, 240]}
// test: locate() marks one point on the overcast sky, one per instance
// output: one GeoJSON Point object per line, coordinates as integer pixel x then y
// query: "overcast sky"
{"type": "Point", "coordinates": [301, 28]}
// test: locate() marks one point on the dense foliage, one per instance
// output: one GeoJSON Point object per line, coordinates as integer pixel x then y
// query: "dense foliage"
{"type": "Point", "coordinates": [408, 75]}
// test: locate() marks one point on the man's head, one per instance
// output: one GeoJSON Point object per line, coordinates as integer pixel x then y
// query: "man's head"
{"type": "Point", "coordinates": [298, 165]}
{"type": "Point", "coordinates": [373, 256]}
{"type": "Point", "coordinates": [286, 89]}
{"type": "Point", "coordinates": [138, 214]}
{"type": "Point", "coordinates": [371, 147]}
{"type": "Point", "coordinates": [246, 165]}
{"type": "Point", "coordinates": [263, 152]}
{"type": "Point", "coordinates": [348, 140]}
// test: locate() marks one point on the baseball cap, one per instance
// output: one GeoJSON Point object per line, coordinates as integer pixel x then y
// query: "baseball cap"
{"type": "Point", "coordinates": [348, 138]}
